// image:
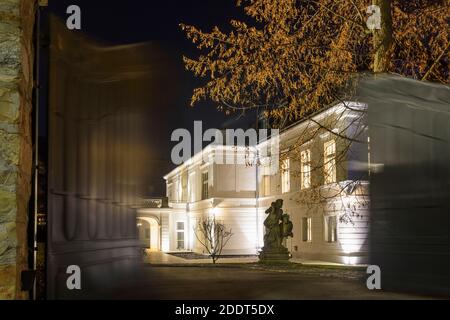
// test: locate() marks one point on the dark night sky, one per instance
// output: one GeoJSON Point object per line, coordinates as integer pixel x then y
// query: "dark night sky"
{"type": "Point", "coordinates": [114, 22]}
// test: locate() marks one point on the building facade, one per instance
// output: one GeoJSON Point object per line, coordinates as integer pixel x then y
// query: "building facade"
{"type": "Point", "coordinates": [322, 179]}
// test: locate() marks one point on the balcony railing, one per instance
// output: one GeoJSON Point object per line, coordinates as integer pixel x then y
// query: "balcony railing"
{"type": "Point", "coordinates": [157, 202]}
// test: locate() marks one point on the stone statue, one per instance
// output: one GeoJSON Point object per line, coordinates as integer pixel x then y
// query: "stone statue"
{"type": "Point", "coordinates": [286, 226]}
{"type": "Point", "coordinates": [278, 226]}
{"type": "Point", "coordinates": [272, 238]}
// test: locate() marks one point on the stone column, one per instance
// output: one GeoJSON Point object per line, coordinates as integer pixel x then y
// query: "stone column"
{"type": "Point", "coordinates": [16, 82]}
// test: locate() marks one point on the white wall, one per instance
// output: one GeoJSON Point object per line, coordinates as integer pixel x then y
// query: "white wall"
{"type": "Point", "coordinates": [352, 238]}
{"type": "Point", "coordinates": [230, 185]}
{"type": "Point", "coordinates": [243, 225]}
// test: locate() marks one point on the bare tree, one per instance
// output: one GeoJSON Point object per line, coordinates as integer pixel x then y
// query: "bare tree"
{"type": "Point", "coordinates": [213, 236]}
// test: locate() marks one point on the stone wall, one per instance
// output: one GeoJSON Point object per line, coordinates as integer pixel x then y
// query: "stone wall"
{"type": "Point", "coordinates": [16, 82]}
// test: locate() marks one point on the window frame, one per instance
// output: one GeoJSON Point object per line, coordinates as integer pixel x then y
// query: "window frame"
{"type": "Point", "coordinates": [329, 162]}
{"type": "Point", "coordinates": [180, 231]}
{"type": "Point", "coordinates": [307, 229]}
{"type": "Point", "coordinates": [266, 185]}
{"type": "Point", "coordinates": [205, 185]}
{"type": "Point", "coordinates": [285, 175]}
{"type": "Point", "coordinates": [331, 237]}
{"type": "Point", "coordinates": [305, 162]}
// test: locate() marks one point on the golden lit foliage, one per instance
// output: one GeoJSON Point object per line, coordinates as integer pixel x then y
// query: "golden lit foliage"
{"type": "Point", "coordinates": [299, 55]}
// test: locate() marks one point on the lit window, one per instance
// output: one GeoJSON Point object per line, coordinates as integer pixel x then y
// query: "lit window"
{"type": "Point", "coordinates": [204, 185]}
{"type": "Point", "coordinates": [285, 176]}
{"type": "Point", "coordinates": [307, 229]}
{"type": "Point", "coordinates": [180, 236]}
{"type": "Point", "coordinates": [330, 161]}
{"type": "Point", "coordinates": [306, 169]}
{"type": "Point", "coordinates": [331, 229]}
{"type": "Point", "coordinates": [266, 181]}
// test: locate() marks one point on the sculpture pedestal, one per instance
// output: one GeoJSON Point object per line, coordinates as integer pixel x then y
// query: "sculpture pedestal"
{"type": "Point", "coordinates": [280, 255]}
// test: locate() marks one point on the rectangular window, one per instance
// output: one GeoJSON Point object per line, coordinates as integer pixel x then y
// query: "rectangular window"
{"type": "Point", "coordinates": [307, 229]}
{"type": "Point", "coordinates": [285, 176]}
{"type": "Point", "coordinates": [330, 161]}
{"type": "Point", "coordinates": [205, 185]}
{"type": "Point", "coordinates": [266, 182]}
{"type": "Point", "coordinates": [306, 169]}
{"type": "Point", "coordinates": [331, 229]}
{"type": "Point", "coordinates": [180, 236]}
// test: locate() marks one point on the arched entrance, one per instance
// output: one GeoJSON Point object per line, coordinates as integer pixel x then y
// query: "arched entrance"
{"type": "Point", "coordinates": [149, 232]}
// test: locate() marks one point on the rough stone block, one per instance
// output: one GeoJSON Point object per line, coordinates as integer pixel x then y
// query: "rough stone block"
{"type": "Point", "coordinates": [16, 83]}
{"type": "Point", "coordinates": [9, 148]}
{"type": "Point", "coordinates": [8, 277]}
{"type": "Point", "coordinates": [8, 209]}
{"type": "Point", "coordinates": [9, 105]}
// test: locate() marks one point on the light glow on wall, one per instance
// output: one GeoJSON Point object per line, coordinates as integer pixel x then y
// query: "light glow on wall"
{"type": "Point", "coordinates": [191, 225]}
{"type": "Point", "coordinates": [165, 245]}
{"type": "Point", "coordinates": [350, 260]}
{"type": "Point", "coordinates": [351, 244]}
{"type": "Point", "coordinates": [250, 234]}
{"type": "Point", "coordinates": [251, 237]}
{"type": "Point", "coordinates": [350, 241]}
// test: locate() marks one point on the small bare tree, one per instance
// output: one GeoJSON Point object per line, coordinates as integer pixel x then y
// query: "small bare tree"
{"type": "Point", "coordinates": [213, 236]}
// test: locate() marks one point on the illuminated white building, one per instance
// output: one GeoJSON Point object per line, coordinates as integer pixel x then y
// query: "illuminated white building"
{"type": "Point", "coordinates": [322, 180]}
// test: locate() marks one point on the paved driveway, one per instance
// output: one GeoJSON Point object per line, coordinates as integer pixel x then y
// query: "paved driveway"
{"type": "Point", "coordinates": [237, 282]}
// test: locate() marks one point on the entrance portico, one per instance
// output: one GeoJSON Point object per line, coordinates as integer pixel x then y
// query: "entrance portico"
{"type": "Point", "coordinates": [152, 224]}
{"type": "Point", "coordinates": [149, 232]}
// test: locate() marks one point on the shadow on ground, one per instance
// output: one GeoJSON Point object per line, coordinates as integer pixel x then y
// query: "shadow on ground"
{"type": "Point", "coordinates": [248, 281]}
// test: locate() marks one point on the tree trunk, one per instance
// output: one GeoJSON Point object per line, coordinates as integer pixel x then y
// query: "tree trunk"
{"type": "Point", "coordinates": [383, 37]}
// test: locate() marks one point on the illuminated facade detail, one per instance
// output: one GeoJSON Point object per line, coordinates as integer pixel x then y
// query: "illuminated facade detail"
{"type": "Point", "coordinates": [180, 235]}
{"type": "Point", "coordinates": [238, 195]}
{"type": "Point", "coordinates": [266, 183]}
{"type": "Point", "coordinates": [285, 176]}
{"type": "Point", "coordinates": [305, 158]}
{"type": "Point", "coordinates": [331, 229]}
{"type": "Point", "coordinates": [329, 164]}
{"type": "Point", "coordinates": [149, 232]}
{"type": "Point", "coordinates": [179, 189]}
{"type": "Point", "coordinates": [306, 229]}
{"type": "Point", "coordinates": [205, 185]}
{"type": "Point", "coordinates": [191, 187]}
